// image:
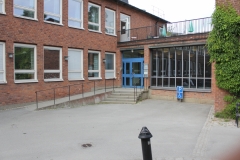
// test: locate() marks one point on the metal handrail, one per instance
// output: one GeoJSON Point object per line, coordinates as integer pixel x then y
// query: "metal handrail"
{"type": "Point", "coordinates": [135, 90]}
{"type": "Point", "coordinates": [201, 25]}
{"type": "Point", "coordinates": [69, 89]}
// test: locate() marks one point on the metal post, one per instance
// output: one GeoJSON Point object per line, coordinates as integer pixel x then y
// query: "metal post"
{"type": "Point", "coordinates": [94, 88]}
{"type": "Point", "coordinates": [36, 100]}
{"type": "Point", "coordinates": [54, 95]}
{"type": "Point", "coordinates": [82, 91]}
{"type": "Point", "coordinates": [113, 84]}
{"type": "Point", "coordinates": [145, 136]}
{"type": "Point", "coordinates": [69, 92]}
{"type": "Point", "coordinates": [105, 85]}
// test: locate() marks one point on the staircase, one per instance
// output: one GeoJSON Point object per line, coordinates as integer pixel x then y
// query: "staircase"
{"type": "Point", "coordinates": [123, 96]}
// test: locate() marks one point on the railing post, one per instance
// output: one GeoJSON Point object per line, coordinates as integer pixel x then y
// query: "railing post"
{"type": "Point", "coordinates": [113, 84]}
{"type": "Point", "coordinates": [36, 100]}
{"type": "Point", "coordinates": [94, 88]}
{"type": "Point", "coordinates": [82, 91]}
{"type": "Point", "coordinates": [105, 85]}
{"type": "Point", "coordinates": [69, 92]}
{"type": "Point", "coordinates": [54, 95]}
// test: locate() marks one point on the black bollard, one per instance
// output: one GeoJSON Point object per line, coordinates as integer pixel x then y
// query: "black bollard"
{"type": "Point", "coordinates": [145, 136]}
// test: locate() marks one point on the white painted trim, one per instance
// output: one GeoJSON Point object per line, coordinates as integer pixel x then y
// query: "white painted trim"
{"type": "Point", "coordinates": [81, 18]}
{"type": "Point", "coordinates": [114, 28]}
{"type": "Point", "coordinates": [26, 8]}
{"type": "Point", "coordinates": [60, 64]}
{"type": "Point", "coordinates": [4, 64]}
{"type": "Point", "coordinates": [3, 7]}
{"type": "Point", "coordinates": [99, 17]}
{"type": "Point", "coordinates": [34, 71]}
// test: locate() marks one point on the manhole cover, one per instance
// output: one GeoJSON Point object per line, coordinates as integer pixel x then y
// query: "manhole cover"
{"type": "Point", "coordinates": [87, 145]}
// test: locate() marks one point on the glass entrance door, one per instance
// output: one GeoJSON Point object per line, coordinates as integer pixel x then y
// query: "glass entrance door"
{"type": "Point", "coordinates": [132, 72]}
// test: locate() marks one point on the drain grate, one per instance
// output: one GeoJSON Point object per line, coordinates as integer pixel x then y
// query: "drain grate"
{"type": "Point", "coordinates": [87, 145]}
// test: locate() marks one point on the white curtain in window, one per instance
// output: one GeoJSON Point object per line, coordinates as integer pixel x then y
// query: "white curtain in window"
{"type": "Point", "coordinates": [74, 64]}
{"type": "Point", "coordinates": [25, 3]}
{"type": "Point", "coordinates": [1, 62]}
{"type": "Point", "coordinates": [52, 6]}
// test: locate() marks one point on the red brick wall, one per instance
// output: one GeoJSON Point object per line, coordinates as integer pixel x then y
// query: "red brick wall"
{"type": "Point", "coordinates": [24, 31]}
{"type": "Point", "coordinates": [235, 3]}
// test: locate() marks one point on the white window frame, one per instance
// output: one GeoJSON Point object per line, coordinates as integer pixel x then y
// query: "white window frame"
{"type": "Point", "coordinates": [114, 27]}
{"type": "Point", "coordinates": [26, 71]}
{"type": "Point", "coordinates": [3, 6]}
{"type": "Point", "coordinates": [114, 66]}
{"type": "Point", "coordinates": [4, 64]}
{"type": "Point", "coordinates": [55, 15]}
{"type": "Point", "coordinates": [54, 71]}
{"type": "Point", "coordinates": [99, 65]}
{"type": "Point", "coordinates": [81, 62]}
{"type": "Point", "coordinates": [99, 17]}
{"type": "Point", "coordinates": [77, 20]}
{"type": "Point", "coordinates": [29, 9]}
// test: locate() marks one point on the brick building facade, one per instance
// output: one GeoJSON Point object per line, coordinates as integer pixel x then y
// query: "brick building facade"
{"type": "Point", "coordinates": [40, 39]}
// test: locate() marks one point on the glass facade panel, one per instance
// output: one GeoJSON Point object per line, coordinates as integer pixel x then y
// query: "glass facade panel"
{"type": "Point", "coordinates": [186, 66]}
{"type": "Point", "coordinates": [25, 3]}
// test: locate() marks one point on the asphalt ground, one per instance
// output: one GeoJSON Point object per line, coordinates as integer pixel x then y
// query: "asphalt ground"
{"type": "Point", "coordinates": [181, 131]}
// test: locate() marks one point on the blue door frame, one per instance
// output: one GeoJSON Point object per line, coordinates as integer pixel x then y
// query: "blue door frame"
{"type": "Point", "coordinates": [132, 72]}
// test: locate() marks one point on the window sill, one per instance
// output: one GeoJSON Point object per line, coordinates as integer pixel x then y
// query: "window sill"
{"type": "Point", "coordinates": [94, 78]}
{"type": "Point", "coordinates": [82, 79]}
{"type": "Point", "coordinates": [95, 31]}
{"type": "Point", "coordinates": [111, 78]}
{"type": "Point", "coordinates": [25, 81]}
{"type": "Point", "coordinates": [59, 24]}
{"type": "Point", "coordinates": [3, 82]}
{"type": "Point", "coordinates": [76, 28]}
{"type": "Point", "coordinates": [3, 13]}
{"type": "Point", "coordinates": [32, 19]}
{"type": "Point", "coordinates": [53, 80]}
{"type": "Point", "coordinates": [114, 35]}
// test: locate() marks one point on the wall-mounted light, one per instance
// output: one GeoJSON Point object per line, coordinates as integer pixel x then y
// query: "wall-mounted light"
{"type": "Point", "coordinates": [132, 50]}
{"type": "Point", "coordinates": [104, 60]}
{"type": "Point", "coordinates": [10, 55]}
{"type": "Point", "coordinates": [66, 58]}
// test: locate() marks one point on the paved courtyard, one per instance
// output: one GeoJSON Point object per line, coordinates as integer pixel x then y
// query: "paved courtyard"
{"type": "Point", "coordinates": [181, 131]}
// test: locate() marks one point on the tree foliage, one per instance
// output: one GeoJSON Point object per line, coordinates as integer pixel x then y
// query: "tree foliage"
{"type": "Point", "coordinates": [224, 48]}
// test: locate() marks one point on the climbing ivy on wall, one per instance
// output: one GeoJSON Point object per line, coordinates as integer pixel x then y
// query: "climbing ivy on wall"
{"type": "Point", "coordinates": [224, 48]}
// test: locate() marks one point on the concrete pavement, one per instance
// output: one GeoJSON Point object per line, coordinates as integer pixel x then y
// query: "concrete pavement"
{"type": "Point", "coordinates": [181, 131]}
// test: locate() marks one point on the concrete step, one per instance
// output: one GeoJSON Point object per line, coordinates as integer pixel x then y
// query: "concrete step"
{"type": "Point", "coordinates": [122, 96]}
{"type": "Point", "coordinates": [120, 99]}
{"type": "Point", "coordinates": [117, 102]}
{"type": "Point", "coordinates": [126, 94]}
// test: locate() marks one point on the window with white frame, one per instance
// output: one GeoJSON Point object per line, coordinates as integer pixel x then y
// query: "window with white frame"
{"type": "Point", "coordinates": [2, 63]}
{"type": "Point", "coordinates": [110, 21]}
{"type": "Point", "coordinates": [94, 17]}
{"type": "Point", "coordinates": [2, 6]}
{"type": "Point", "coordinates": [110, 65]}
{"type": "Point", "coordinates": [52, 63]}
{"type": "Point", "coordinates": [53, 11]}
{"type": "Point", "coordinates": [75, 13]}
{"type": "Point", "coordinates": [94, 64]}
{"type": "Point", "coordinates": [75, 64]}
{"type": "Point", "coordinates": [26, 8]}
{"type": "Point", "coordinates": [25, 63]}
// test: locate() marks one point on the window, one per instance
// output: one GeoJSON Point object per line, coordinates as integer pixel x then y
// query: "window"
{"type": "Point", "coordinates": [75, 64]}
{"type": "Point", "coordinates": [94, 64]}
{"type": "Point", "coordinates": [2, 63]}
{"type": "Point", "coordinates": [75, 13]}
{"type": "Point", "coordinates": [2, 6]}
{"type": "Point", "coordinates": [25, 63]}
{"type": "Point", "coordinates": [186, 66]}
{"type": "Point", "coordinates": [52, 64]}
{"type": "Point", "coordinates": [53, 11]}
{"type": "Point", "coordinates": [110, 22]}
{"type": "Point", "coordinates": [110, 65]}
{"type": "Point", "coordinates": [26, 8]}
{"type": "Point", "coordinates": [94, 14]}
